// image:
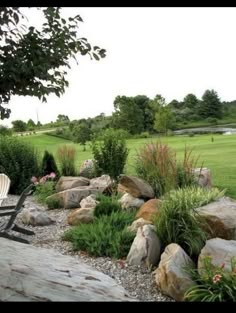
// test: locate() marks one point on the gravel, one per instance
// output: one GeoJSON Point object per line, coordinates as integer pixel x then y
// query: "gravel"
{"type": "Point", "coordinates": [138, 281]}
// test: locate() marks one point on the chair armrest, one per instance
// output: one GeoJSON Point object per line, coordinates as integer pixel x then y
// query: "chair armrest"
{"type": "Point", "coordinates": [7, 207]}
{"type": "Point", "coordinates": [7, 213]}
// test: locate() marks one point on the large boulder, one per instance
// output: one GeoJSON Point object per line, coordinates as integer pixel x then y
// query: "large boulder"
{"type": "Point", "coordinates": [80, 216]}
{"type": "Point", "coordinates": [149, 210]}
{"type": "Point", "coordinates": [137, 187]}
{"type": "Point", "coordinates": [220, 251]}
{"type": "Point", "coordinates": [171, 276]}
{"type": "Point", "coordinates": [34, 217]}
{"type": "Point", "coordinates": [34, 274]}
{"type": "Point", "coordinates": [103, 182]}
{"type": "Point", "coordinates": [203, 177]}
{"type": "Point", "coordinates": [136, 224]}
{"type": "Point", "coordinates": [128, 202]}
{"type": "Point", "coordinates": [71, 198]}
{"type": "Point", "coordinates": [145, 248]}
{"type": "Point", "coordinates": [220, 215]}
{"type": "Point", "coordinates": [89, 202]}
{"type": "Point", "coordinates": [69, 182]}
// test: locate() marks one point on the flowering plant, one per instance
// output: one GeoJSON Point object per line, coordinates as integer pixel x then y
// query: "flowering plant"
{"type": "Point", "coordinates": [43, 179]}
{"type": "Point", "coordinates": [214, 283]}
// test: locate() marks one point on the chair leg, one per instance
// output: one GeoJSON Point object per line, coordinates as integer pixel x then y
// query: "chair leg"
{"type": "Point", "coordinates": [22, 230]}
{"type": "Point", "coordinates": [12, 237]}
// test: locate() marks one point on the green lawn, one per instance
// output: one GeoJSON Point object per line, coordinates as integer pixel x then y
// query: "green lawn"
{"type": "Point", "coordinates": [219, 155]}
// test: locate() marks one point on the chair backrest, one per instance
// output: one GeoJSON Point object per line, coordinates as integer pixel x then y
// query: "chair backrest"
{"type": "Point", "coordinates": [4, 187]}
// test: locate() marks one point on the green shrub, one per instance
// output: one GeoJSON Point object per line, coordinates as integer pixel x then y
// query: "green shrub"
{"type": "Point", "coordinates": [66, 156]}
{"type": "Point", "coordinates": [156, 164]}
{"type": "Point", "coordinates": [106, 205]}
{"type": "Point", "coordinates": [49, 164]}
{"type": "Point", "coordinates": [110, 153]}
{"type": "Point", "coordinates": [19, 161]}
{"type": "Point", "coordinates": [53, 203]}
{"type": "Point", "coordinates": [214, 284]}
{"type": "Point", "coordinates": [106, 236]}
{"type": "Point", "coordinates": [177, 221]}
{"type": "Point", "coordinates": [5, 131]}
{"type": "Point", "coordinates": [44, 190]}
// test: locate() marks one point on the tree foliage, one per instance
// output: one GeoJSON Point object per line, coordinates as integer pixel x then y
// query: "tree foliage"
{"type": "Point", "coordinates": [33, 62]}
{"type": "Point", "coordinates": [210, 106]}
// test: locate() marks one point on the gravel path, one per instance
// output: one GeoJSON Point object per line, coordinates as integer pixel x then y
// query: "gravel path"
{"type": "Point", "coordinates": [138, 281]}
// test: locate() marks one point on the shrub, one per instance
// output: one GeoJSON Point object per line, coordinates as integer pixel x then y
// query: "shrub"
{"type": "Point", "coordinates": [106, 236]}
{"type": "Point", "coordinates": [49, 164]}
{"type": "Point", "coordinates": [19, 161]}
{"type": "Point", "coordinates": [53, 203]}
{"type": "Point", "coordinates": [5, 131]}
{"type": "Point", "coordinates": [214, 284]}
{"type": "Point", "coordinates": [44, 190]}
{"type": "Point", "coordinates": [156, 164]}
{"type": "Point", "coordinates": [106, 205]}
{"type": "Point", "coordinates": [177, 221]}
{"type": "Point", "coordinates": [110, 153]}
{"type": "Point", "coordinates": [66, 156]}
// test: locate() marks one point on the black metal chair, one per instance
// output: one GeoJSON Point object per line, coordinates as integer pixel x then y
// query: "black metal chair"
{"type": "Point", "coordinates": [8, 225]}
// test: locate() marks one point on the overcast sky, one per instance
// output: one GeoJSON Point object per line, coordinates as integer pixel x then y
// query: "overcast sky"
{"type": "Point", "coordinates": [167, 51]}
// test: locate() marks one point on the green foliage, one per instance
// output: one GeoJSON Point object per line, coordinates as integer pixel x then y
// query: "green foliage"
{"type": "Point", "coordinates": [19, 161]}
{"type": "Point", "coordinates": [110, 153]}
{"type": "Point", "coordinates": [19, 126]}
{"type": "Point", "coordinates": [82, 134]}
{"type": "Point", "coordinates": [49, 164]}
{"type": "Point", "coordinates": [156, 164]}
{"type": "Point", "coordinates": [179, 223]}
{"type": "Point", "coordinates": [66, 156]}
{"type": "Point", "coordinates": [52, 203]}
{"type": "Point", "coordinates": [5, 131]}
{"type": "Point", "coordinates": [44, 190]}
{"type": "Point", "coordinates": [214, 283]}
{"type": "Point", "coordinates": [210, 106]}
{"type": "Point", "coordinates": [164, 120]}
{"type": "Point", "coordinates": [106, 205]}
{"type": "Point", "coordinates": [35, 59]}
{"type": "Point", "coordinates": [106, 236]}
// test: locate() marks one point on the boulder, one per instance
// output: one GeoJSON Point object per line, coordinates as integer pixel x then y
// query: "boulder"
{"type": "Point", "coordinates": [34, 274]}
{"type": "Point", "coordinates": [220, 251]}
{"type": "Point", "coordinates": [103, 182]}
{"type": "Point", "coordinates": [137, 187]}
{"type": "Point", "coordinates": [136, 224]}
{"type": "Point", "coordinates": [127, 202]}
{"type": "Point", "coordinates": [71, 198]}
{"type": "Point", "coordinates": [80, 216]}
{"type": "Point", "coordinates": [203, 177]}
{"type": "Point", "coordinates": [89, 202]}
{"type": "Point", "coordinates": [34, 217]}
{"type": "Point", "coordinates": [220, 215]}
{"type": "Point", "coordinates": [171, 277]}
{"type": "Point", "coordinates": [145, 248]}
{"type": "Point", "coordinates": [69, 182]}
{"type": "Point", "coordinates": [149, 210]}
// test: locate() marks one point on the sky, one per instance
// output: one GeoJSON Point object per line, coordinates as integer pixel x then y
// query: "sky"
{"type": "Point", "coordinates": [167, 51]}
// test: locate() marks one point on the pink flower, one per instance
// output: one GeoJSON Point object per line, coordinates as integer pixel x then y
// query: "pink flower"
{"type": "Point", "coordinates": [34, 179]}
{"type": "Point", "coordinates": [216, 278]}
{"type": "Point", "coordinates": [52, 175]}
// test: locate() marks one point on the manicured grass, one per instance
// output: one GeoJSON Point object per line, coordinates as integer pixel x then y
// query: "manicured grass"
{"type": "Point", "coordinates": [219, 156]}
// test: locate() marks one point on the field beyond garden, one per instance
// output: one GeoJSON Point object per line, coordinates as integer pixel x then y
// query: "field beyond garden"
{"type": "Point", "coordinates": [218, 153]}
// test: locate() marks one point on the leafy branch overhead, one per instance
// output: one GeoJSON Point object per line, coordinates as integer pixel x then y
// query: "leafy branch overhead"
{"type": "Point", "coordinates": [33, 62]}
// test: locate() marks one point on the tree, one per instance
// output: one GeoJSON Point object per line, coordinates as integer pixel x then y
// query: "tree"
{"type": "Point", "coordinates": [82, 134]}
{"type": "Point", "coordinates": [63, 118]}
{"type": "Point", "coordinates": [19, 126]}
{"type": "Point", "coordinates": [191, 101]}
{"type": "Point", "coordinates": [31, 124]}
{"type": "Point", "coordinates": [210, 106]}
{"type": "Point", "coordinates": [164, 120]}
{"type": "Point", "coordinates": [33, 61]}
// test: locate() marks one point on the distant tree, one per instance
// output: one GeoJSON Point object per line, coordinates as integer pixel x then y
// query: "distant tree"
{"type": "Point", "coordinates": [175, 104]}
{"type": "Point", "coordinates": [82, 134]}
{"type": "Point", "coordinates": [191, 101]}
{"type": "Point", "coordinates": [19, 126]}
{"type": "Point", "coordinates": [210, 106]}
{"type": "Point", "coordinates": [164, 120]}
{"type": "Point", "coordinates": [33, 61]}
{"type": "Point", "coordinates": [63, 118]}
{"type": "Point", "coordinates": [31, 124]}
{"type": "Point", "coordinates": [5, 131]}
